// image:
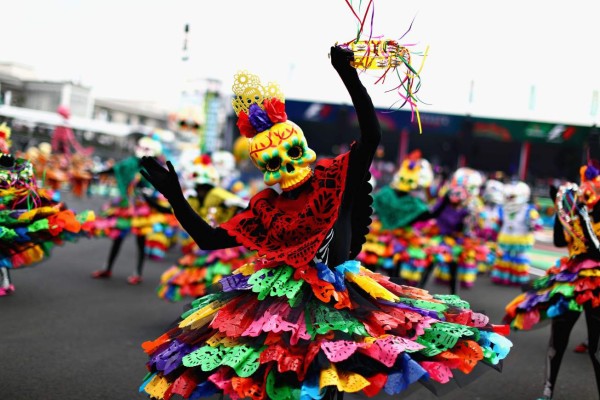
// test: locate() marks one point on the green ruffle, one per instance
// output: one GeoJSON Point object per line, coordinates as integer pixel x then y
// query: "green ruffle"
{"type": "Point", "coordinates": [426, 305]}
{"type": "Point", "coordinates": [453, 300]}
{"type": "Point", "coordinates": [443, 336]}
{"type": "Point", "coordinates": [322, 319]}
{"type": "Point", "coordinates": [277, 282]}
{"type": "Point", "coordinates": [281, 392]}
{"type": "Point", "coordinates": [243, 359]}
{"type": "Point", "coordinates": [39, 225]}
{"type": "Point", "coordinates": [201, 302]}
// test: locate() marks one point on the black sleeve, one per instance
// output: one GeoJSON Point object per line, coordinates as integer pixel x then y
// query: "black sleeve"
{"type": "Point", "coordinates": [559, 234]}
{"type": "Point", "coordinates": [370, 131]}
{"type": "Point", "coordinates": [425, 216]}
{"type": "Point", "coordinates": [205, 236]}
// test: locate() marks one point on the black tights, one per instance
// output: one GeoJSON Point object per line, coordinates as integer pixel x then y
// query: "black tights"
{"type": "Point", "coordinates": [453, 267]}
{"type": "Point", "coordinates": [559, 339]}
{"type": "Point", "coordinates": [116, 247]}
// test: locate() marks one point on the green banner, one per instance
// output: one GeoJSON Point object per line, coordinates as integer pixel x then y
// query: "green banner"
{"type": "Point", "coordinates": [535, 132]}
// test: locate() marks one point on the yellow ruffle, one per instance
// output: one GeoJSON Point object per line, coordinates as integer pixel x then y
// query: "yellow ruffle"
{"type": "Point", "coordinates": [344, 381]}
{"type": "Point", "coordinates": [524, 240]}
{"type": "Point", "coordinates": [371, 286]}
{"type": "Point", "coordinates": [589, 272]}
{"type": "Point", "coordinates": [410, 275]}
{"type": "Point", "coordinates": [157, 387]}
{"type": "Point", "coordinates": [40, 212]}
{"type": "Point", "coordinates": [200, 318]}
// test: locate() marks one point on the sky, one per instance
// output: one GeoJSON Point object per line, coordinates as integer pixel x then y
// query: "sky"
{"type": "Point", "coordinates": [485, 58]}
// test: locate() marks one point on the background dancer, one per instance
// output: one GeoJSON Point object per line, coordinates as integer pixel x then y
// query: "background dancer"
{"type": "Point", "coordinates": [137, 210]}
{"type": "Point", "coordinates": [573, 285]}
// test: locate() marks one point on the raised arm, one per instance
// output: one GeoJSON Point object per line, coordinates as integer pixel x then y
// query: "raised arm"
{"type": "Point", "coordinates": [167, 182]}
{"type": "Point", "coordinates": [370, 131]}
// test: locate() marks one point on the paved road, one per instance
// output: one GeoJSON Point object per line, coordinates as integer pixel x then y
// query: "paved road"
{"type": "Point", "coordinates": [66, 336]}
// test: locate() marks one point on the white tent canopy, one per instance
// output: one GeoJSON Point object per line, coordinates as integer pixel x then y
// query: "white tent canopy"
{"type": "Point", "coordinates": [84, 124]}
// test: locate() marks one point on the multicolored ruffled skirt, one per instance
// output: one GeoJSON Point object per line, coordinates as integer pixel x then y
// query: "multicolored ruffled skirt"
{"type": "Point", "coordinates": [196, 272]}
{"type": "Point", "coordinates": [28, 236]}
{"type": "Point", "coordinates": [566, 286]}
{"type": "Point", "coordinates": [411, 255]}
{"type": "Point", "coordinates": [466, 252]}
{"type": "Point", "coordinates": [139, 218]}
{"type": "Point", "coordinates": [512, 268]}
{"type": "Point", "coordinates": [377, 253]}
{"type": "Point", "coordinates": [396, 252]}
{"type": "Point", "coordinates": [278, 332]}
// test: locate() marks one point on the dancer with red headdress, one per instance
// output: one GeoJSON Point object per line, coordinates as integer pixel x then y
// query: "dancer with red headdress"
{"type": "Point", "coordinates": [305, 319]}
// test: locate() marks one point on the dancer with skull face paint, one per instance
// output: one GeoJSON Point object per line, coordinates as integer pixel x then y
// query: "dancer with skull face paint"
{"type": "Point", "coordinates": [519, 220]}
{"type": "Point", "coordinates": [138, 209]}
{"type": "Point", "coordinates": [305, 319]}
{"type": "Point", "coordinates": [573, 284]}
{"type": "Point", "coordinates": [451, 245]}
{"type": "Point", "coordinates": [392, 243]}
{"type": "Point", "coordinates": [488, 221]}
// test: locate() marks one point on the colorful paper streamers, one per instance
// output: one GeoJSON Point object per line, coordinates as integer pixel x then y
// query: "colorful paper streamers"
{"type": "Point", "coordinates": [379, 53]}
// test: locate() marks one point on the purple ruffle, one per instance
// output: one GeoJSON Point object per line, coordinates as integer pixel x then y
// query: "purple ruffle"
{"type": "Point", "coordinates": [170, 358]}
{"type": "Point", "coordinates": [426, 313]}
{"type": "Point", "coordinates": [531, 301]}
{"type": "Point", "coordinates": [235, 282]}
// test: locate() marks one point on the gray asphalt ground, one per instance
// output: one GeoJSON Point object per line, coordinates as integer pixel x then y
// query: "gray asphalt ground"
{"type": "Point", "coordinates": [66, 336]}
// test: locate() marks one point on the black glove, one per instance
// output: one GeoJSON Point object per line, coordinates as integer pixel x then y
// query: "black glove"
{"type": "Point", "coordinates": [165, 181]}
{"type": "Point", "coordinates": [341, 58]}
{"type": "Point", "coordinates": [553, 191]}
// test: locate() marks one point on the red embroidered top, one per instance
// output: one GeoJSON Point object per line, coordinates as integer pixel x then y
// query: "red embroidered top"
{"type": "Point", "coordinates": [292, 230]}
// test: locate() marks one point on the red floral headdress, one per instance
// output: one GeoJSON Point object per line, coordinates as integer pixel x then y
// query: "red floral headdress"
{"type": "Point", "coordinates": [258, 108]}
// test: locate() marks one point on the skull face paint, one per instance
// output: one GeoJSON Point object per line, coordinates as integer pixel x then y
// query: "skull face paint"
{"type": "Point", "coordinates": [282, 155]}
{"type": "Point", "coordinates": [412, 175]}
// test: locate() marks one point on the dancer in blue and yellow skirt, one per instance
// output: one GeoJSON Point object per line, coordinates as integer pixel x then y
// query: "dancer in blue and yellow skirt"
{"type": "Point", "coordinates": [520, 220]}
{"type": "Point", "coordinates": [305, 319]}
{"type": "Point", "coordinates": [572, 286]}
{"type": "Point", "coordinates": [488, 221]}
{"type": "Point", "coordinates": [139, 209]}
{"type": "Point", "coordinates": [199, 269]}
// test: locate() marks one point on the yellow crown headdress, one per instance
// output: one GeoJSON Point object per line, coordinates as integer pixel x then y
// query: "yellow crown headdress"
{"type": "Point", "coordinates": [258, 107]}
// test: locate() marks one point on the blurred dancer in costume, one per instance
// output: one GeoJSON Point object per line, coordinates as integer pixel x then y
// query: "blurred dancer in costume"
{"type": "Point", "coordinates": [519, 220]}
{"type": "Point", "coordinates": [33, 220]}
{"type": "Point", "coordinates": [138, 210]}
{"type": "Point", "coordinates": [572, 286]}
{"type": "Point", "coordinates": [488, 222]}
{"type": "Point", "coordinates": [452, 246]}
{"type": "Point", "coordinates": [392, 243]}
{"type": "Point", "coordinates": [305, 319]}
